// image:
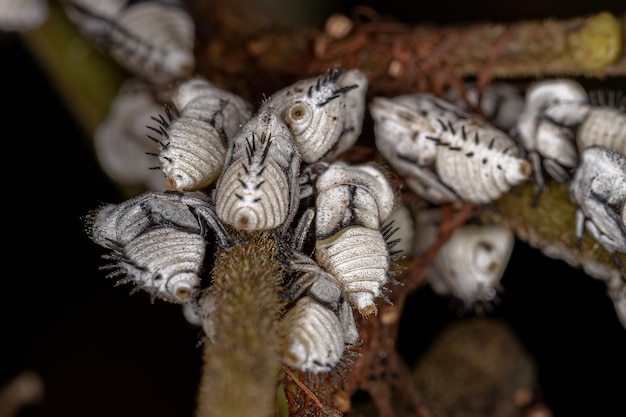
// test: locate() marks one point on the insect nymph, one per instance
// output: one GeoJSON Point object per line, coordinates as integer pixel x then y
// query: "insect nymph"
{"type": "Point", "coordinates": [152, 39]}
{"type": "Point", "coordinates": [258, 188]}
{"type": "Point", "coordinates": [470, 264]}
{"type": "Point", "coordinates": [324, 114]}
{"type": "Point", "coordinates": [157, 241]}
{"type": "Point", "coordinates": [23, 15]}
{"type": "Point", "coordinates": [315, 342]}
{"type": "Point", "coordinates": [549, 147]}
{"type": "Point", "coordinates": [319, 324]}
{"type": "Point", "coordinates": [444, 153]}
{"type": "Point", "coordinates": [351, 244]}
{"type": "Point", "coordinates": [193, 141]}
{"type": "Point", "coordinates": [120, 140]}
{"type": "Point", "coordinates": [599, 189]}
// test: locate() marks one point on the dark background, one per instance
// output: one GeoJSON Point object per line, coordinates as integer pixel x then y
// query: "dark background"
{"type": "Point", "coordinates": [102, 352]}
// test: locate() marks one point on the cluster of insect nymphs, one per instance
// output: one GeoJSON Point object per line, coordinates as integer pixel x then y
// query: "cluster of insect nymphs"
{"type": "Point", "coordinates": [447, 154]}
{"type": "Point", "coordinates": [581, 143]}
{"type": "Point", "coordinates": [228, 171]}
{"type": "Point", "coordinates": [231, 169]}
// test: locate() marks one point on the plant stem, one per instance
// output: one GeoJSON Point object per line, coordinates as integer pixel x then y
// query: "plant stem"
{"type": "Point", "coordinates": [242, 364]}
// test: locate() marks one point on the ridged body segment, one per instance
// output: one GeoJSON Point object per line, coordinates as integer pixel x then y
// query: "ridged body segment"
{"type": "Point", "coordinates": [324, 114]}
{"type": "Point", "coordinates": [314, 339]}
{"type": "Point", "coordinates": [444, 153]}
{"type": "Point", "coordinates": [193, 147]}
{"type": "Point", "coordinates": [358, 257]}
{"type": "Point", "coordinates": [258, 189]}
{"type": "Point", "coordinates": [152, 39]}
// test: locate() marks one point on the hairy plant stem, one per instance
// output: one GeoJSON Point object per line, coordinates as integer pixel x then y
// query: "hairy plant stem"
{"type": "Point", "coordinates": [242, 364]}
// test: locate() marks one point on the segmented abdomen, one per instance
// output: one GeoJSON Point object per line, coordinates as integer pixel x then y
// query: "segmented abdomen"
{"type": "Point", "coordinates": [166, 261]}
{"type": "Point", "coordinates": [152, 39]}
{"type": "Point", "coordinates": [470, 264]}
{"type": "Point", "coordinates": [358, 257]}
{"type": "Point", "coordinates": [478, 162]}
{"type": "Point", "coordinates": [444, 153]}
{"type": "Point", "coordinates": [194, 143]}
{"type": "Point", "coordinates": [604, 126]}
{"type": "Point", "coordinates": [258, 189]}
{"type": "Point", "coordinates": [315, 340]}
{"type": "Point", "coordinates": [258, 198]}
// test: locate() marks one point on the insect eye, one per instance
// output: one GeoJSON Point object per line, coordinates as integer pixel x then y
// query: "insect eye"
{"type": "Point", "coordinates": [183, 293]}
{"type": "Point", "coordinates": [485, 246]}
{"type": "Point", "coordinates": [297, 112]}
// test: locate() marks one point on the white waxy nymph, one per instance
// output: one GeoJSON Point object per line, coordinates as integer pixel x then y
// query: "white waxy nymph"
{"type": "Point", "coordinates": [152, 39]}
{"type": "Point", "coordinates": [444, 153]}
{"type": "Point", "coordinates": [324, 114]}
{"type": "Point", "coordinates": [193, 141]}
{"type": "Point", "coordinates": [349, 195]}
{"type": "Point", "coordinates": [314, 340]}
{"type": "Point", "coordinates": [258, 189]}
{"type": "Point", "coordinates": [23, 15]}
{"type": "Point", "coordinates": [120, 141]}
{"type": "Point", "coordinates": [599, 189]}
{"type": "Point", "coordinates": [470, 264]}
{"type": "Point", "coordinates": [542, 136]}
{"type": "Point", "coordinates": [359, 258]}
{"type": "Point", "coordinates": [157, 241]}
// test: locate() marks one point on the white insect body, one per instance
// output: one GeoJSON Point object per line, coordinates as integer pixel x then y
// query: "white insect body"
{"type": "Point", "coordinates": [351, 194]}
{"type": "Point", "coordinates": [598, 188]}
{"type": "Point", "coordinates": [120, 141]}
{"type": "Point", "coordinates": [581, 125]}
{"type": "Point", "coordinates": [166, 261]}
{"type": "Point", "coordinates": [193, 142]}
{"type": "Point", "coordinates": [258, 188]}
{"type": "Point", "coordinates": [499, 103]}
{"type": "Point", "coordinates": [324, 114]}
{"type": "Point", "coordinates": [152, 39]}
{"type": "Point", "coordinates": [308, 278]}
{"type": "Point", "coordinates": [444, 153]}
{"type": "Point", "coordinates": [23, 15]}
{"type": "Point", "coordinates": [157, 240]}
{"type": "Point", "coordinates": [351, 204]}
{"type": "Point", "coordinates": [358, 257]}
{"type": "Point", "coordinates": [406, 121]}
{"type": "Point", "coordinates": [548, 145]}
{"type": "Point", "coordinates": [314, 340]}
{"type": "Point", "coordinates": [603, 126]}
{"type": "Point", "coordinates": [199, 311]}
{"type": "Point", "coordinates": [470, 264]}
{"type": "Point", "coordinates": [480, 164]}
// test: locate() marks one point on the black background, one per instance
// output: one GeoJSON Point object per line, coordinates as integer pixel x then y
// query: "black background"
{"type": "Point", "coordinates": [102, 352]}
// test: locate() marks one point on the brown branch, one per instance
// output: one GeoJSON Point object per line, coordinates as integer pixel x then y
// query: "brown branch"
{"type": "Point", "coordinates": [399, 57]}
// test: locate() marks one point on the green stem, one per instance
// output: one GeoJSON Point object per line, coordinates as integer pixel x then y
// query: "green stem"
{"type": "Point", "coordinates": [86, 79]}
